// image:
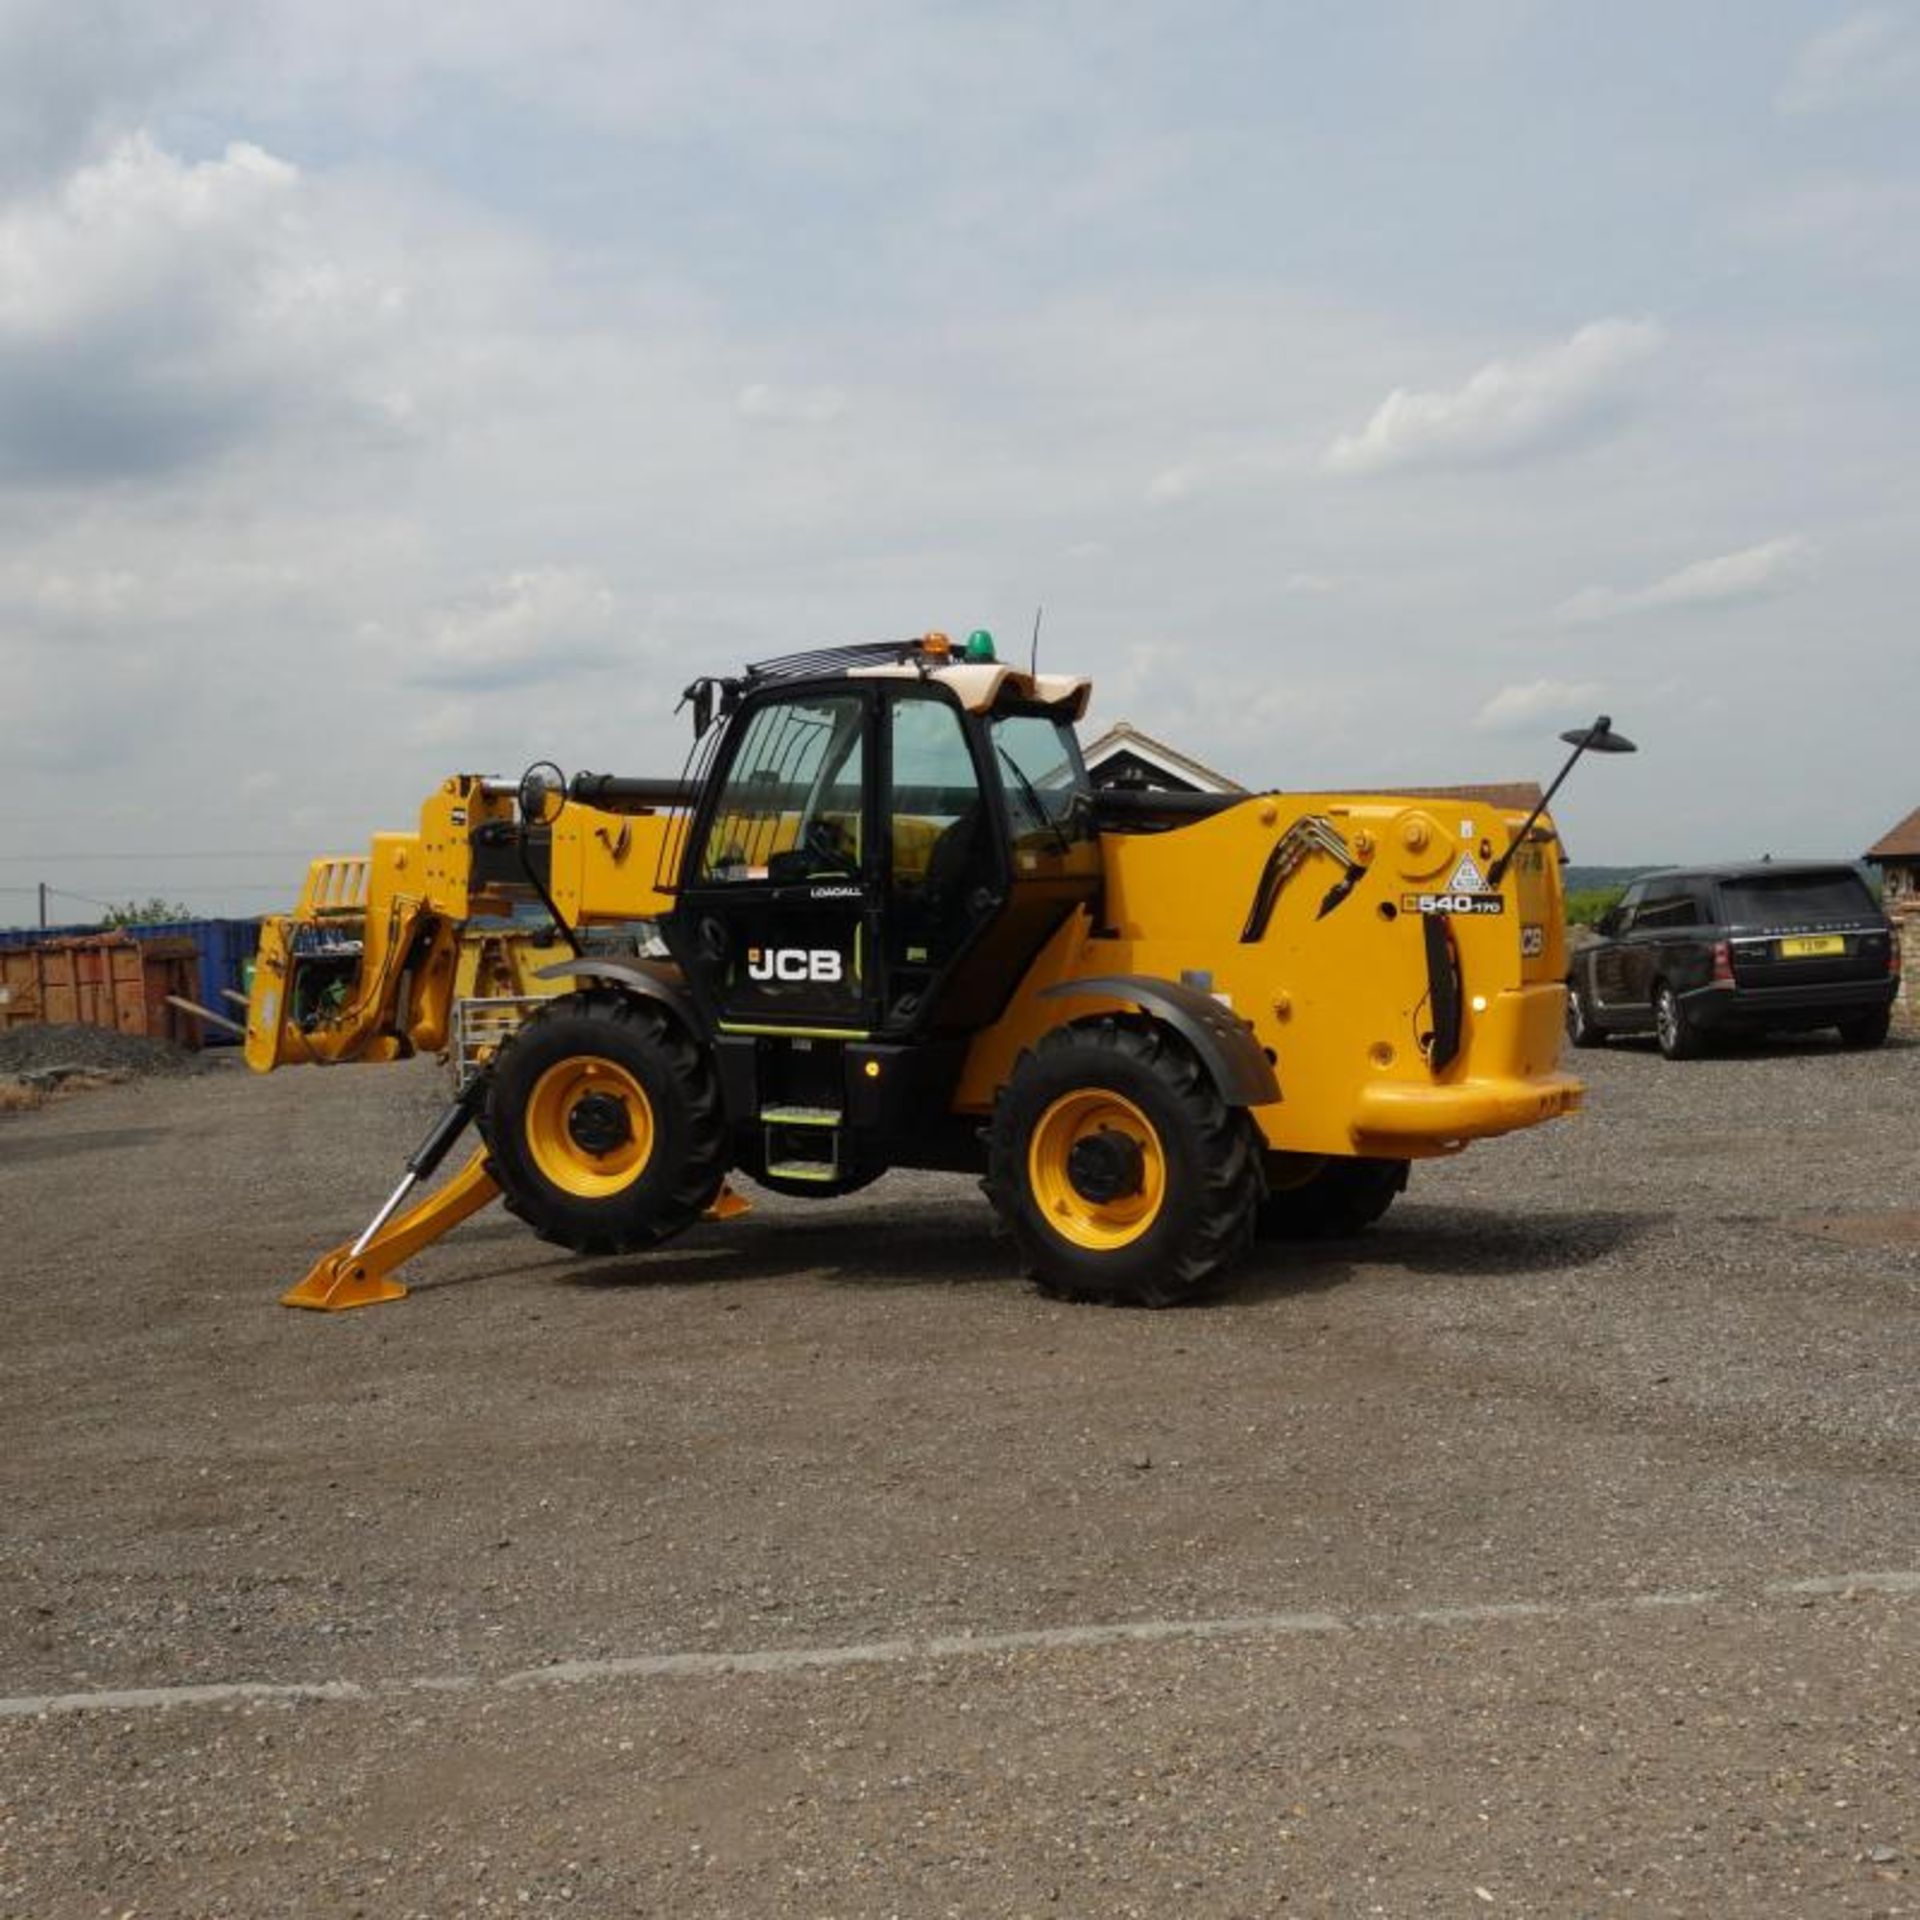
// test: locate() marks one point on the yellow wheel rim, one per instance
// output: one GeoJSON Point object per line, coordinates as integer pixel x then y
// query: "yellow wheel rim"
{"type": "Point", "coordinates": [589, 1126]}
{"type": "Point", "coordinates": [1098, 1225]}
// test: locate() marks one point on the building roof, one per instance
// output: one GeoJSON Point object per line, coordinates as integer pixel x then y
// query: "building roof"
{"type": "Point", "coordinates": [1899, 843]}
{"type": "Point", "coordinates": [1123, 737]}
{"type": "Point", "coordinates": [1519, 796]}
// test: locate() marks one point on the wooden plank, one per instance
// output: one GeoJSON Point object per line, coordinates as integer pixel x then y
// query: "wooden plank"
{"type": "Point", "coordinates": [204, 1013]}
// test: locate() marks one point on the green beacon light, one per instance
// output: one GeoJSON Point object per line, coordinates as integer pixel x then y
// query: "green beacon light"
{"type": "Point", "coordinates": [979, 651]}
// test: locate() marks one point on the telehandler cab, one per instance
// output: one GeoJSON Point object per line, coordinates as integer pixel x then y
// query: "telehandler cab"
{"type": "Point", "coordinates": [884, 920]}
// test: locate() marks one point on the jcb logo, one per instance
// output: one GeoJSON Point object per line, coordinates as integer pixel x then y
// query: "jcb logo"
{"type": "Point", "coordinates": [794, 963]}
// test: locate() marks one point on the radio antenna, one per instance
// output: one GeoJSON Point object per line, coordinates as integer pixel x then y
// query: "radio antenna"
{"type": "Point", "coordinates": [1033, 661]}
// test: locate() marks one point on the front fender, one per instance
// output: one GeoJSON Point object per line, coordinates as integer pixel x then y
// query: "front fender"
{"type": "Point", "coordinates": [645, 978]}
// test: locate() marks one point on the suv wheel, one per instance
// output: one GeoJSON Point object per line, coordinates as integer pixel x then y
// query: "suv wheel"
{"type": "Point", "coordinates": [1582, 1029]}
{"type": "Point", "coordinates": [1672, 1025]}
{"type": "Point", "coordinates": [1866, 1029]}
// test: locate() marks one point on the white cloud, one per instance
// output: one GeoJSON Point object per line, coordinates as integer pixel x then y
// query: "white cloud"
{"type": "Point", "coordinates": [1521, 708]}
{"type": "Point", "coordinates": [520, 630]}
{"type": "Point", "coordinates": [132, 226]}
{"type": "Point", "coordinates": [791, 406]}
{"type": "Point", "coordinates": [1171, 484]}
{"type": "Point", "coordinates": [75, 77]}
{"type": "Point", "coordinates": [63, 600]}
{"type": "Point", "coordinates": [1509, 410]}
{"type": "Point", "coordinates": [1873, 56]}
{"type": "Point", "coordinates": [153, 310]}
{"type": "Point", "coordinates": [1753, 573]}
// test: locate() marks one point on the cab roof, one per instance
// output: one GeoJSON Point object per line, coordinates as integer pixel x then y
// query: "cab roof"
{"type": "Point", "coordinates": [979, 685]}
{"type": "Point", "coordinates": [976, 684]}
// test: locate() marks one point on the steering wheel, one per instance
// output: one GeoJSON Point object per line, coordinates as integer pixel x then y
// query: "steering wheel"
{"type": "Point", "coordinates": [543, 794]}
{"type": "Point", "coordinates": [826, 840]}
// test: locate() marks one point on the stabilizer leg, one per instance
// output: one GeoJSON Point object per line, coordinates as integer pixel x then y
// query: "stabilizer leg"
{"type": "Point", "coordinates": [359, 1276]}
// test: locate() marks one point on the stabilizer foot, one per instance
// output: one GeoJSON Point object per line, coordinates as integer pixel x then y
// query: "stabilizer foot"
{"type": "Point", "coordinates": [347, 1278]}
{"type": "Point", "coordinates": [727, 1205]}
{"type": "Point", "coordinates": [337, 1282]}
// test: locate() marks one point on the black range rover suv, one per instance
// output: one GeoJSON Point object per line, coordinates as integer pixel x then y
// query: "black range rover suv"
{"type": "Point", "coordinates": [1705, 950]}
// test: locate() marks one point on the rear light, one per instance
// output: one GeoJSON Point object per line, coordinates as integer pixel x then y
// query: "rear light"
{"type": "Point", "coordinates": [1722, 964]}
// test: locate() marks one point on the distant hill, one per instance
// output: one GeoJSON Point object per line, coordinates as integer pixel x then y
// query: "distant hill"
{"type": "Point", "coordinates": [1579, 879]}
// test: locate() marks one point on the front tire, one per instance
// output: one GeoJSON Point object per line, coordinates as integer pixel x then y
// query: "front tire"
{"type": "Point", "coordinates": [1673, 1026]}
{"type": "Point", "coordinates": [1118, 1169]}
{"type": "Point", "coordinates": [603, 1124]}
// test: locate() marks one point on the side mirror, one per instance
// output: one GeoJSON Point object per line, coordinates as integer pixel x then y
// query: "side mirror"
{"type": "Point", "coordinates": [1608, 924]}
{"type": "Point", "coordinates": [1598, 738]}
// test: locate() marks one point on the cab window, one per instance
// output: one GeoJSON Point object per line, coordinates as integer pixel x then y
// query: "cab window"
{"type": "Point", "coordinates": [934, 784]}
{"type": "Point", "coordinates": [944, 860]}
{"type": "Point", "coordinates": [791, 805]}
{"type": "Point", "coordinates": [1049, 796]}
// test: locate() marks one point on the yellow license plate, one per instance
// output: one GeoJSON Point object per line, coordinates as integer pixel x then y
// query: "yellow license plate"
{"type": "Point", "coordinates": [1811, 944]}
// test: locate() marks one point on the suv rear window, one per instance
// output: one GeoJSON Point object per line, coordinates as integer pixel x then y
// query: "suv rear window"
{"type": "Point", "coordinates": [1766, 898]}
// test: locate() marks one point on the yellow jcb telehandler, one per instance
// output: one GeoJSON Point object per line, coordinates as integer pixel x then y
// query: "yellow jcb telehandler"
{"type": "Point", "coordinates": [883, 919]}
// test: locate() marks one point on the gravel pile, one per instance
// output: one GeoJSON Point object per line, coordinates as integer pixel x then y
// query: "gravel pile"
{"type": "Point", "coordinates": [30, 1052]}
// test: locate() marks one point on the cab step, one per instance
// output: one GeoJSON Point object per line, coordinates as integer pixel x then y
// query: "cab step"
{"type": "Point", "coordinates": [801, 1142]}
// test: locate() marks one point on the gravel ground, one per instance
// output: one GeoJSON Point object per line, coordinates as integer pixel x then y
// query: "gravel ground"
{"type": "Point", "coordinates": [1508, 1559]}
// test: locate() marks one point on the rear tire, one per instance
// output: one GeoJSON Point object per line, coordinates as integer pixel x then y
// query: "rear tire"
{"type": "Point", "coordinates": [1673, 1026]}
{"type": "Point", "coordinates": [1344, 1197]}
{"type": "Point", "coordinates": [1867, 1029]}
{"type": "Point", "coordinates": [603, 1124]}
{"type": "Point", "coordinates": [1118, 1169]}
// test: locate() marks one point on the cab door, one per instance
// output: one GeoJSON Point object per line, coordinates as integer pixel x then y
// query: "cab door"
{"type": "Point", "coordinates": [946, 867]}
{"type": "Point", "coordinates": [775, 919]}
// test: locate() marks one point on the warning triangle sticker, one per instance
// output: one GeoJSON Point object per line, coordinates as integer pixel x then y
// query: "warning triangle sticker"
{"type": "Point", "coordinates": [1467, 878]}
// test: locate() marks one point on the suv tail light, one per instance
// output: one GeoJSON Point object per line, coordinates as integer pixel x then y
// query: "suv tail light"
{"type": "Point", "coordinates": [1722, 964]}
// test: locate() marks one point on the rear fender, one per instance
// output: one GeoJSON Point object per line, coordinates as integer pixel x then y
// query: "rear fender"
{"type": "Point", "coordinates": [1227, 1046]}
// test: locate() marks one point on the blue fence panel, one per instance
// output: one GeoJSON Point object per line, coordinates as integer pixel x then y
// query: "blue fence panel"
{"type": "Point", "coordinates": [32, 936]}
{"type": "Point", "coordinates": [226, 946]}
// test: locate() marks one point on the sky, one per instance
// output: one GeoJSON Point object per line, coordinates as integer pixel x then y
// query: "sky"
{"type": "Point", "coordinates": [1366, 393]}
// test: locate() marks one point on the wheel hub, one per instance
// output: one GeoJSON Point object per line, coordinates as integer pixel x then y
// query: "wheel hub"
{"type": "Point", "coordinates": [1106, 1166]}
{"type": "Point", "coordinates": [598, 1123]}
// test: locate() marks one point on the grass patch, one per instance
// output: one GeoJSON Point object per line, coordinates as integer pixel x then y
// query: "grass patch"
{"type": "Point", "coordinates": [1585, 907]}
